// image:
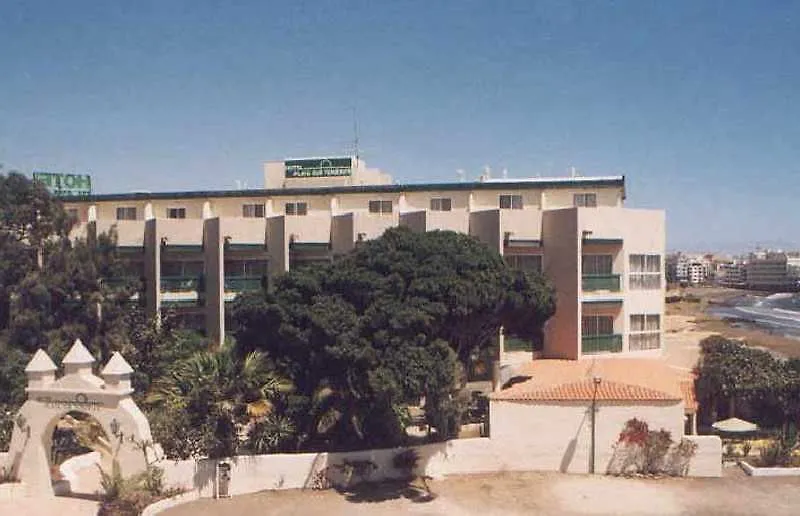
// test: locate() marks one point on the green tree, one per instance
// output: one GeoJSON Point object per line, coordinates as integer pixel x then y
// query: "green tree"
{"type": "Point", "coordinates": [384, 327]}
{"type": "Point", "coordinates": [205, 402]}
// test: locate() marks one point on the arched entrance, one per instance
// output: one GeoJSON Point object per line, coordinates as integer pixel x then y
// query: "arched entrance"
{"type": "Point", "coordinates": [79, 446]}
{"type": "Point", "coordinates": [107, 400]}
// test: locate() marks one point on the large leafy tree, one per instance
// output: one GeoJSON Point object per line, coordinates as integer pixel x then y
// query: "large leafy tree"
{"type": "Point", "coordinates": [733, 377]}
{"type": "Point", "coordinates": [386, 326]}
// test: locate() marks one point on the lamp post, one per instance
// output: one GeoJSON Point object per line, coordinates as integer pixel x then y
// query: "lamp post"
{"type": "Point", "coordinates": [596, 381]}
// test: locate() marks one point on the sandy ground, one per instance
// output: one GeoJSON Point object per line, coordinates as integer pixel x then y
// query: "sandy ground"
{"type": "Point", "coordinates": [689, 321]}
{"type": "Point", "coordinates": [512, 494]}
{"type": "Point", "coordinates": [58, 506]}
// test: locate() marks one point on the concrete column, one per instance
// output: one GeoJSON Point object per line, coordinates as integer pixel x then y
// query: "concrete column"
{"type": "Point", "coordinates": [417, 221]}
{"type": "Point", "coordinates": [343, 237]}
{"type": "Point", "coordinates": [148, 211]}
{"type": "Point", "coordinates": [213, 251]}
{"type": "Point", "coordinates": [152, 268]}
{"type": "Point", "coordinates": [277, 245]}
{"type": "Point", "coordinates": [485, 226]}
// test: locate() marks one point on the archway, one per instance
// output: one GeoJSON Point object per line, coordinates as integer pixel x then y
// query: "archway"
{"type": "Point", "coordinates": [79, 446]}
{"type": "Point", "coordinates": [107, 400]}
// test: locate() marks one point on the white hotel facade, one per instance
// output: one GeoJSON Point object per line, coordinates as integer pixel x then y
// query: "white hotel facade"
{"type": "Point", "coordinates": [195, 251]}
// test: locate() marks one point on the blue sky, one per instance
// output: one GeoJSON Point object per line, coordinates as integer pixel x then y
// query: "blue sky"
{"type": "Point", "coordinates": [697, 102]}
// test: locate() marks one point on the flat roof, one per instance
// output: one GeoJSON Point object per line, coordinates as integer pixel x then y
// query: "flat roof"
{"type": "Point", "coordinates": [490, 184]}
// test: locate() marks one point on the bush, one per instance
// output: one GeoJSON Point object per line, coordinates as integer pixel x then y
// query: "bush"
{"type": "Point", "coordinates": [650, 452]}
{"type": "Point", "coordinates": [406, 462]}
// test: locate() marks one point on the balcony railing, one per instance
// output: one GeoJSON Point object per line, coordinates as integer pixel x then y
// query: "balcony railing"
{"type": "Point", "coordinates": [601, 343]}
{"type": "Point", "coordinates": [180, 283]}
{"type": "Point", "coordinates": [122, 281]}
{"type": "Point", "coordinates": [608, 282]}
{"type": "Point", "coordinates": [243, 283]}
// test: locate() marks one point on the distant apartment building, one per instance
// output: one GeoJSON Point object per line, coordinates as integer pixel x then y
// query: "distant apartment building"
{"type": "Point", "coordinates": [767, 270]}
{"type": "Point", "coordinates": [731, 274]}
{"type": "Point", "coordinates": [689, 269]}
{"type": "Point", "coordinates": [195, 251]}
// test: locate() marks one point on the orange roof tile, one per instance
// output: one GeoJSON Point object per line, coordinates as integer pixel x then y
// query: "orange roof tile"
{"type": "Point", "coordinates": [689, 398]}
{"type": "Point", "coordinates": [622, 379]}
{"type": "Point", "coordinates": [583, 391]}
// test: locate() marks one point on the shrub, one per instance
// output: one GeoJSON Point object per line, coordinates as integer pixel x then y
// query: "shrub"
{"type": "Point", "coordinates": [6, 476]}
{"type": "Point", "coordinates": [645, 451]}
{"type": "Point", "coordinates": [776, 454]}
{"type": "Point", "coordinates": [406, 462]}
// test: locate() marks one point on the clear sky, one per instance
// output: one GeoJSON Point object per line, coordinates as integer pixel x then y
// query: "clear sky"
{"type": "Point", "coordinates": [696, 102]}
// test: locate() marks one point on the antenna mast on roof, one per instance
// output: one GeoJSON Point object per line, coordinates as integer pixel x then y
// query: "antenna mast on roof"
{"type": "Point", "coordinates": [355, 133]}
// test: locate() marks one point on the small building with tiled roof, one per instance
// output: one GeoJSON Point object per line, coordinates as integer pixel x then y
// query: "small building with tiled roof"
{"type": "Point", "coordinates": [548, 410]}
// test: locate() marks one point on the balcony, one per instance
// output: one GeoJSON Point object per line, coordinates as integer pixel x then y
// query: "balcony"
{"type": "Point", "coordinates": [243, 283]}
{"type": "Point", "coordinates": [591, 344]}
{"type": "Point", "coordinates": [594, 282]}
{"type": "Point", "coordinates": [180, 283]}
{"type": "Point", "coordinates": [122, 282]}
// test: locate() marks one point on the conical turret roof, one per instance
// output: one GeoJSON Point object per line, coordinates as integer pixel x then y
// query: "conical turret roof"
{"type": "Point", "coordinates": [78, 354]}
{"type": "Point", "coordinates": [40, 363]}
{"type": "Point", "coordinates": [116, 366]}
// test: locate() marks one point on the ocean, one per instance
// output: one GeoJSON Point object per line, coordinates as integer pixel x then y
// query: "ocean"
{"type": "Point", "coordinates": [778, 314]}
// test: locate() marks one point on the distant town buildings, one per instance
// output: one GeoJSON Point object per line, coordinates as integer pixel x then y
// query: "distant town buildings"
{"type": "Point", "coordinates": [760, 270]}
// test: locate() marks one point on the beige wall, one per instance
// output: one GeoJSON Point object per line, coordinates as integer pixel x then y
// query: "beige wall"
{"type": "Point", "coordinates": [373, 225]}
{"type": "Point", "coordinates": [314, 227]}
{"type": "Point", "coordinates": [562, 268]}
{"type": "Point", "coordinates": [422, 200]}
{"type": "Point", "coordinates": [557, 198]}
{"type": "Point", "coordinates": [130, 233]}
{"type": "Point", "coordinates": [490, 199]}
{"type": "Point", "coordinates": [522, 224]}
{"type": "Point", "coordinates": [244, 231]}
{"type": "Point", "coordinates": [556, 436]}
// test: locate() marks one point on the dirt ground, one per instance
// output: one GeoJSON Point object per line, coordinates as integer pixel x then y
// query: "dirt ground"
{"type": "Point", "coordinates": [512, 494]}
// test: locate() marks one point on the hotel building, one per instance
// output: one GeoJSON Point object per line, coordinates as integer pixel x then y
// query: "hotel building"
{"type": "Point", "coordinates": [195, 251]}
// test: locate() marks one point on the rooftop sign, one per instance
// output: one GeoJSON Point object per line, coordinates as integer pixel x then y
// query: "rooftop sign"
{"type": "Point", "coordinates": [65, 184]}
{"type": "Point", "coordinates": [318, 167]}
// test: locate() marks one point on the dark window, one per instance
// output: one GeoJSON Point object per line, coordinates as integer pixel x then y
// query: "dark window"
{"type": "Point", "coordinates": [126, 213]}
{"type": "Point", "coordinates": [380, 206]}
{"type": "Point", "coordinates": [525, 262]}
{"type": "Point", "coordinates": [585, 200]}
{"type": "Point", "coordinates": [597, 264]}
{"type": "Point", "coordinates": [253, 211]}
{"type": "Point", "coordinates": [176, 213]}
{"type": "Point", "coordinates": [296, 208]}
{"type": "Point", "coordinates": [511, 202]}
{"type": "Point", "coordinates": [441, 204]}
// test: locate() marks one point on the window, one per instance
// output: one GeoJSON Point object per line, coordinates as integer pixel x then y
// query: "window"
{"type": "Point", "coordinates": [511, 202]}
{"type": "Point", "coordinates": [585, 200]}
{"type": "Point", "coordinates": [597, 325]}
{"type": "Point", "coordinates": [253, 211]}
{"type": "Point", "coordinates": [441, 204]}
{"type": "Point", "coordinates": [176, 213]}
{"type": "Point", "coordinates": [645, 271]}
{"type": "Point", "coordinates": [525, 262]}
{"type": "Point", "coordinates": [380, 206]}
{"type": "Point", "coordinates": [127, 213]}
{"type": "Point", "coordinates": [597, 264]}
{"type": "Point", "coordinates": [296, 208]}
{"type": "Point", "coordinates": [645, 332]}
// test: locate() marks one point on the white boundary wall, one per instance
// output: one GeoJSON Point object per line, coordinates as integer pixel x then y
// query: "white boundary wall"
{"type": "Point", "coordinates": [252, 473]}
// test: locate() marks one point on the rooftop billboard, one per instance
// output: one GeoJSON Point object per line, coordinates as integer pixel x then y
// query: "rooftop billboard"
{"type": "Point", "coordinates": [65, 184]}
{"type": "Point", "coordinates": [319, 167]}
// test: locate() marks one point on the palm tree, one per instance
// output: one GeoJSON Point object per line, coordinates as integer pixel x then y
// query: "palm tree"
{"type": "Point", "coordinates": [222, 394]}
